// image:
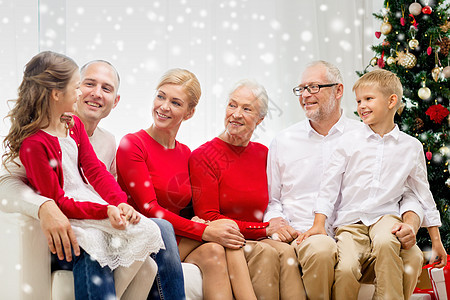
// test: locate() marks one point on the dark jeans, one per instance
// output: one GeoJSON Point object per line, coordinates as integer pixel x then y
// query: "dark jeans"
{"type": "Point", "coordinates": [169, 282]}
{"type": "Point", "coordinates": [92, 282]}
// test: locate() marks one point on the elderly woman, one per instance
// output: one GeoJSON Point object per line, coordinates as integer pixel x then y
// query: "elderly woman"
{"type": "Point", "coordinates": [229, 181]}
{"type": "Point", "coordinates": [152, 168]}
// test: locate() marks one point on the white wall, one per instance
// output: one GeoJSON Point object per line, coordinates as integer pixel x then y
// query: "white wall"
{"type": "Point", "coordinates": [220, 41]}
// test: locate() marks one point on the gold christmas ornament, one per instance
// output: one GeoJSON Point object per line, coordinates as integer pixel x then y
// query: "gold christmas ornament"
{"type": "Point", "coordinates": [415, 9]}
{"type": "Point", "coordinates": [407, 60]}
{"type": "Point", "coordinates": [373, 61]}
{"type": "Point", "coordinates": [390, 60]}
{"type": "Point", "coordinates": [386, 27]}
{"type": "Point", "coordinates": [446, 72]}
{"type": "Point", "coordinates": [435, 73]}
{"type": "Point", "coordinates": [413, 43]}
{"type": "Point", "coordinates": [424, 93]}
{"type": "Point", "coordinates": [444, 151]}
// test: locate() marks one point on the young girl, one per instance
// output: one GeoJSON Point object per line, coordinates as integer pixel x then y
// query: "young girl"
{"type": "Point", "coordinates": [60, 164]}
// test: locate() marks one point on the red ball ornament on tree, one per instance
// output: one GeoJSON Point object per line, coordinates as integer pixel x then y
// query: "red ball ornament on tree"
{"type": "Point", "coordinates": [437, 113]}
{"type": "Point", "coordinates": [427, 10]}
{"type": "Point", "coordinates": [429, 155]}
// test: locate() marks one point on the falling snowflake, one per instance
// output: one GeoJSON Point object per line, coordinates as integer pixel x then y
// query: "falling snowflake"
{"type": "Point", "coordinates": [97, 280]}
{"type": "Point", "coordinates": [116, 242]}
{"type": "Point", "coordinates": [53, 163]}
{"type": "Point", "coordinates": [27, 289]}
{"type": "Point", "coordinates": [291, 261]}
{"type": "Point", "coordinates": [345, 45]}
{"type": "Point", "coordinates": [323, 7]}
{"type": "Point", "coordinates": [336, 25]}
{"type": "Point", "coordinates": [306, 36]}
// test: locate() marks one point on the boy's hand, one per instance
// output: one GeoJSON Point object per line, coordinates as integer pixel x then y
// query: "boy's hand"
{"type": "Point", "coordinates": [115, 218]}
{"type": "Point", "coordinates": [316, 229]}
{"type": "Point", "coordinates": [405, 234]}
{"type": "Point", "coordinates": [438, 255]}
{"type": "Point", "coordinates": [129, 214]}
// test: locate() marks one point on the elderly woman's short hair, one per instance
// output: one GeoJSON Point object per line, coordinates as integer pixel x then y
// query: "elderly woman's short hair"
{"type": "Point", "coordinates": [258, 91]}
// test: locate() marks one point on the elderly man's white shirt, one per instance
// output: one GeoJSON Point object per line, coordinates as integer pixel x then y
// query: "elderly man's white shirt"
{"type": "Point", "coordinates": [17, 196]}
{"type": "Point", "coordinates": [296, 161]}
{"type": "Point", "coordinates": [371, 173]}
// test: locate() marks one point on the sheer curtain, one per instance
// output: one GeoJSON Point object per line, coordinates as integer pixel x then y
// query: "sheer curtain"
{"type": "Point", "coordinates": [220, 41]}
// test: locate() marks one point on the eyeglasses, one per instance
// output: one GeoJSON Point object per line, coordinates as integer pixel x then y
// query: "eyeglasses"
{"type": "Point", "coordinates": [312, 89]}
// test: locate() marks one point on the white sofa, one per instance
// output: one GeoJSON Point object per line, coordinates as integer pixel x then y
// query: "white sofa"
{"type": "Point", "coordinates": [25, 265]}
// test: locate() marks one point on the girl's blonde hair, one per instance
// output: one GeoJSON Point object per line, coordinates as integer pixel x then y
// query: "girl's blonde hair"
{"type": "Point", "coordinates": [187, 80]}
{"type": "Point", "coordinates": [31, 112]}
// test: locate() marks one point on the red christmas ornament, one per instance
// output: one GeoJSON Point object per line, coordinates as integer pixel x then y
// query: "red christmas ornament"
{"type": "Point", "coordinates": [402, 21]}
{"type": "Point", "coordinates": [427, 10]}
{"type": "Point", "coordinates": [377, 34]}
{"type": "Point", "coordinates": [380, 61]}
{"type": "Point", "coordinates": [414, 22]}
{"type": "Point", "coordinates": [437, 113]}
{"type": "Point", "coordinates": [429, 155]}
{"type": "Point", "coordinates": [429, 50]}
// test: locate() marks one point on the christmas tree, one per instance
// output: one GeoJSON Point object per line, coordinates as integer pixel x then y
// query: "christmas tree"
{"type": "Point", "coordinates": [415, 45]}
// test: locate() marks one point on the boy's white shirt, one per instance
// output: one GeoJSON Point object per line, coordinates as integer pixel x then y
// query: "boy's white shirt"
{"type": "Point", "coordinates": [371, 173]}
{"type": "Point", "coordinates": [17, 196]}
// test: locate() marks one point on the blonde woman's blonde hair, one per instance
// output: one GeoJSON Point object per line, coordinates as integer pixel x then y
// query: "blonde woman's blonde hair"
{"type": "Point", "coordinates": [387, 83]}
{"type": "Point", "coordinates": [187, 80]}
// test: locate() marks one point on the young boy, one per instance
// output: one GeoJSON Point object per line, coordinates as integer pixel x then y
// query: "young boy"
{"type": "Point", "coordinates": [371, 169]}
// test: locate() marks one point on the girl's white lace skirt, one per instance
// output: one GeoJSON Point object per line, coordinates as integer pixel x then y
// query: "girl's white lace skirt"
{"type": "Point", "coordinates": [113, 247]}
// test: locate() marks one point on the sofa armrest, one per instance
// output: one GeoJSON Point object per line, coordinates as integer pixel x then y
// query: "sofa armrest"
{"type": "Point", "coordinates": [25, 264]}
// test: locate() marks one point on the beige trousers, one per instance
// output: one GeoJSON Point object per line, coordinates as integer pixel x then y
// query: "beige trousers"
{"type": "Point", "coordinates": [264, 268]}
{"type": "Point", "coordinates": [291, 284]}
{"type": "Point", "coordinates": [375, 250]}
{"type": "Point", "coordinates": [317, 256]}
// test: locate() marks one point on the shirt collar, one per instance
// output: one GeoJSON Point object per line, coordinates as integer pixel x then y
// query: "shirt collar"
{"type": "Point", "coordinates": [394, 133]}
{"type": "Point", "coordinates": [339, 126]}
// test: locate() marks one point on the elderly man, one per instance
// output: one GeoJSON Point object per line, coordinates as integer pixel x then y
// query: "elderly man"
{"type": "Point", "coordinates": [295, 165]}
{"type": "Point", "coordinates": [99, 87]}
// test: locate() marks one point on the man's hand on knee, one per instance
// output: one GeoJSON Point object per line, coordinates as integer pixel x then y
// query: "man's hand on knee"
{"type": "Point", "coordinates": [58, 231]}
{"type": "Point", "coordinates": [284, 234]}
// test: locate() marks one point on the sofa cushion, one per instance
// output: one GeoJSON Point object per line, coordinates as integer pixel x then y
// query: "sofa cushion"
{"type": "Point", "coordinates": [63, 289]}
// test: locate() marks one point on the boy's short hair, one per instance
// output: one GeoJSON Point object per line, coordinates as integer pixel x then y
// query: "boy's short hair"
{"type": "Point", "coordinates": [386, 81]}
